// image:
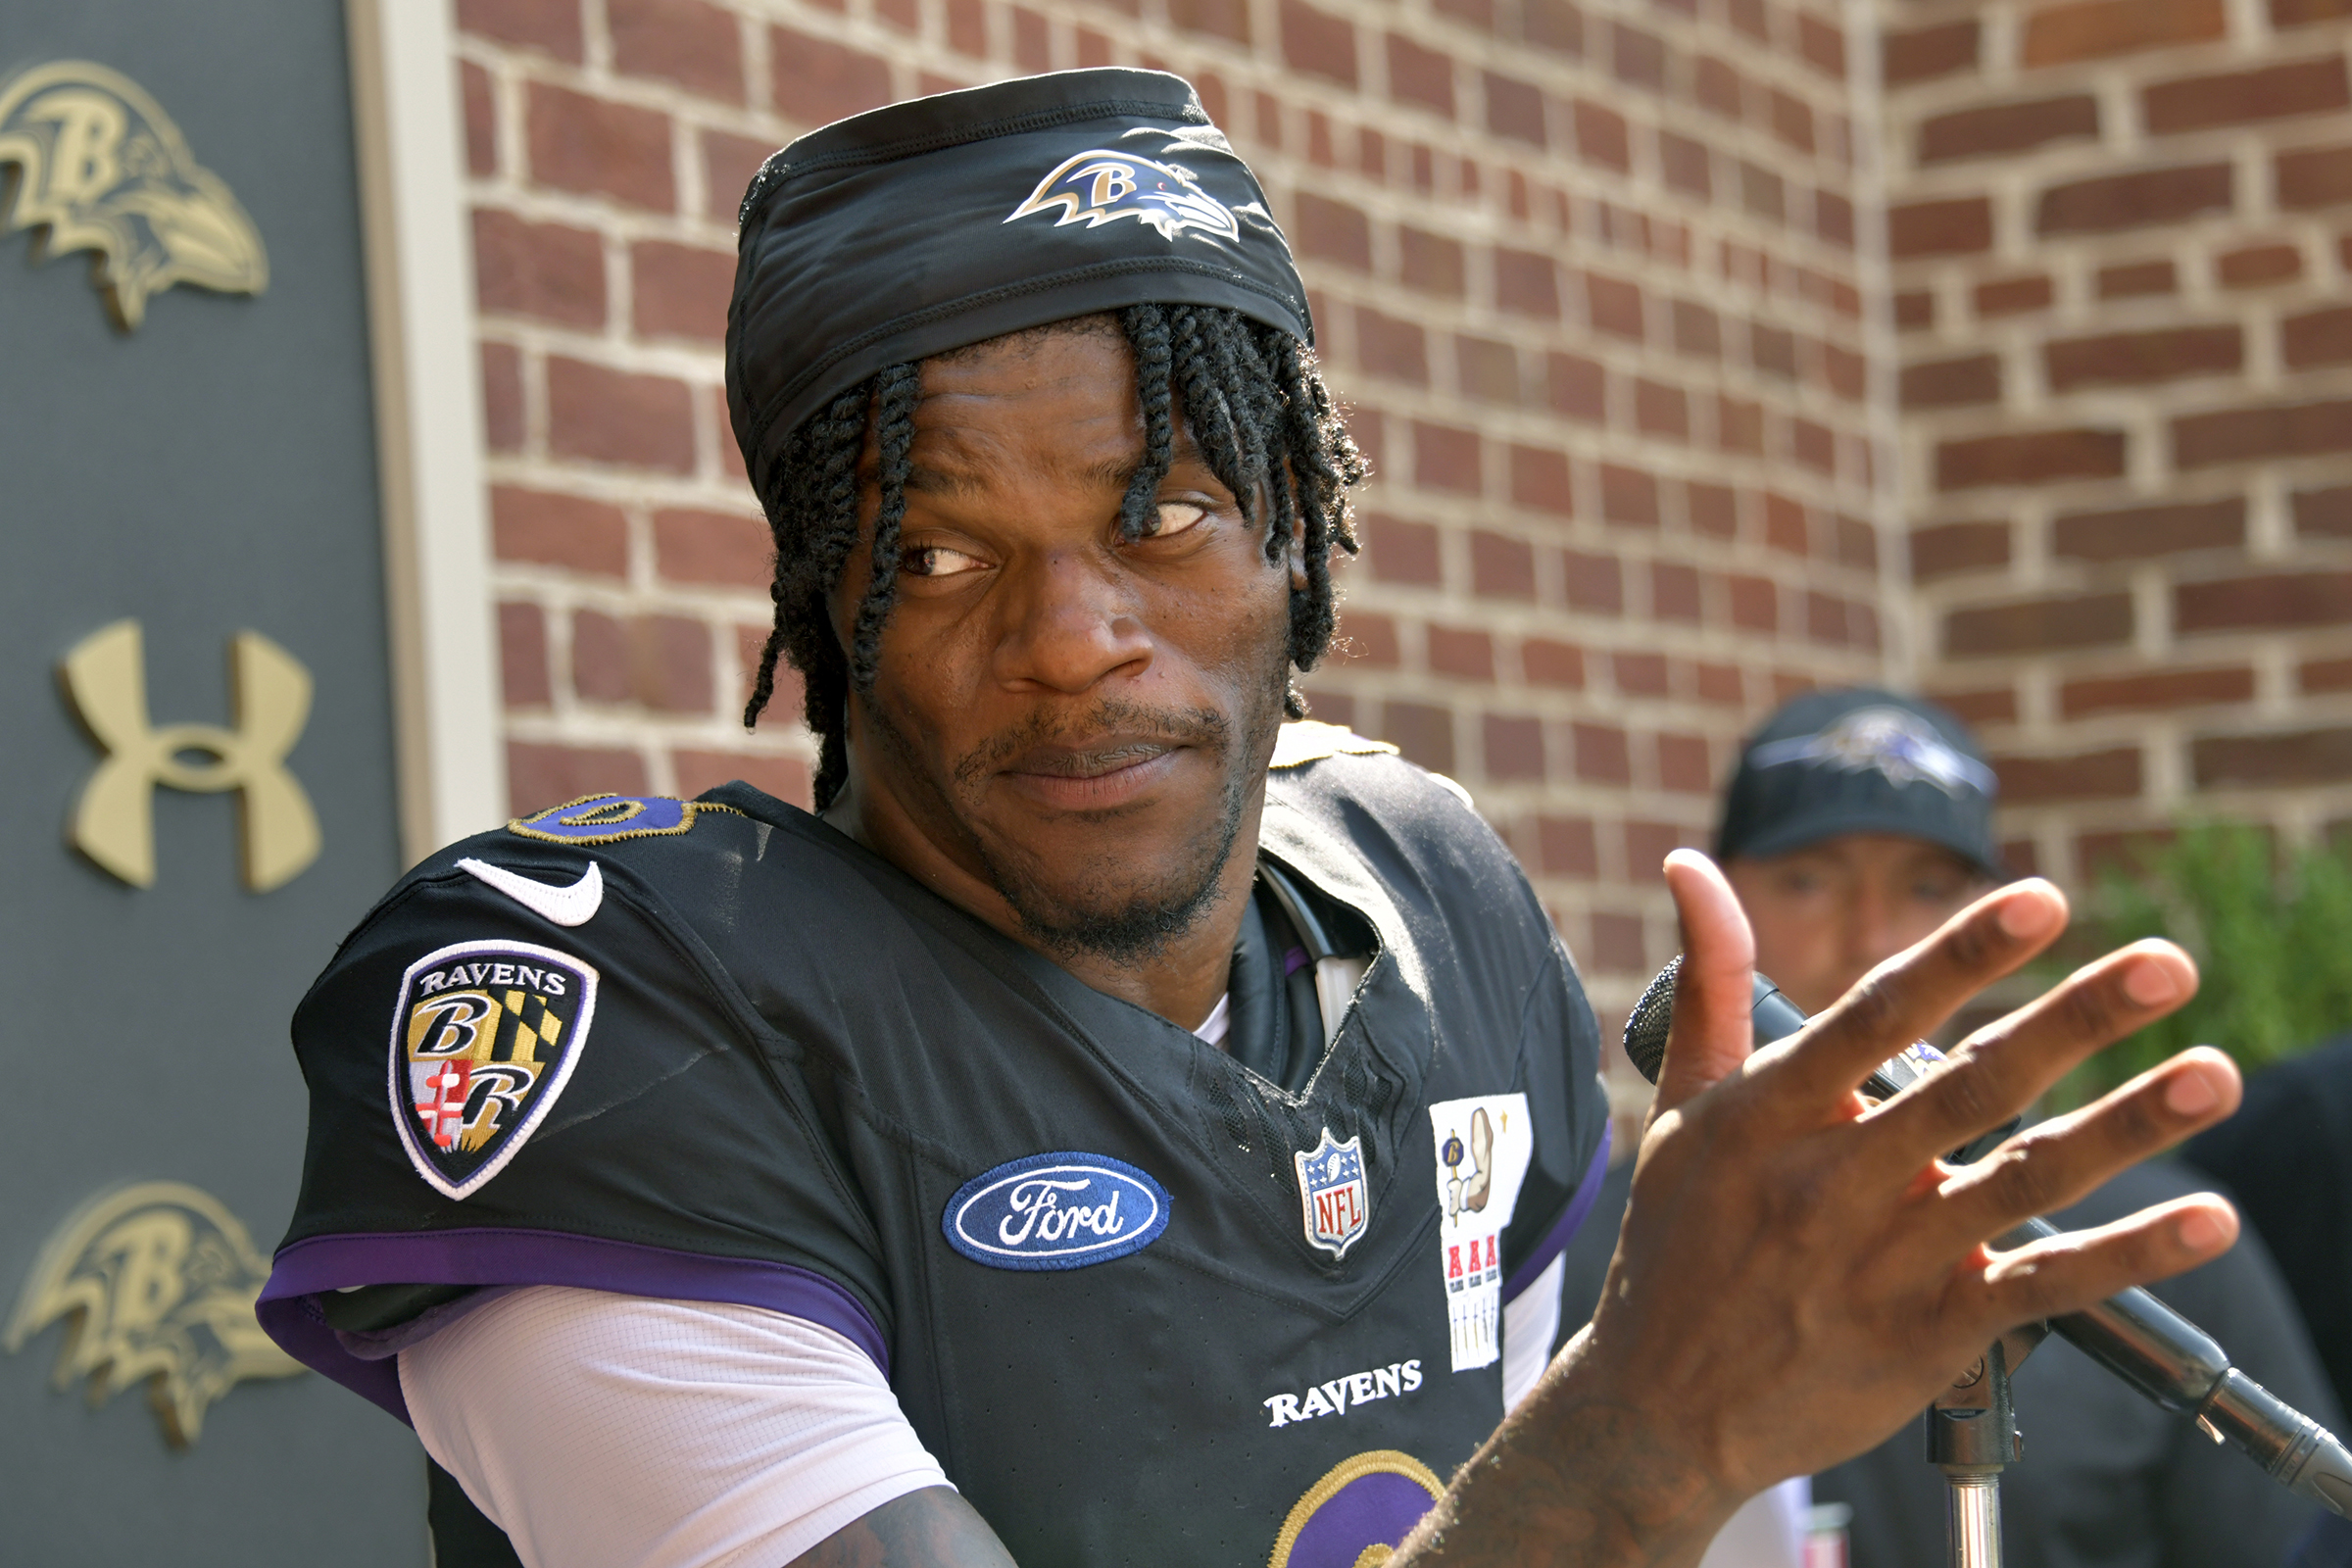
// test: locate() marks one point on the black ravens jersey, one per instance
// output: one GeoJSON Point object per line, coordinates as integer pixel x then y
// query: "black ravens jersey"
{"type": "Point", "coordinates": [1143, 1303]}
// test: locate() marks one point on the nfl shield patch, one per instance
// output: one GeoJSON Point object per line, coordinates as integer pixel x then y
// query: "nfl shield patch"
{"type": "Point", "coordinates": [1332, 1192]}
{"type": "Point", "coordinates": [483, 1040]}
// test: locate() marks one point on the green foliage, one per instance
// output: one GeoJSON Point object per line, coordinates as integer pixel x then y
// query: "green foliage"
{"type": "Point", "coordinates": [2272, 936]}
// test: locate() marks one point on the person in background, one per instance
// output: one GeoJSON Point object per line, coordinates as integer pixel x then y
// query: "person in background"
{"type": "Point", "coordinates": [1857, 822]}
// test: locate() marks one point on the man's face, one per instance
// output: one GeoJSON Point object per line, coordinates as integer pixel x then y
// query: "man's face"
{"type": "Point", "coordinates": [1826, 914]}
{"type": "Point", "coordinates": [1072, 722]}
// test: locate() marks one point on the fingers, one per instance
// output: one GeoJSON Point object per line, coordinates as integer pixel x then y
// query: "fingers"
{"type": "Point", "coordinates": [1906, 997]}
{"type": "Point", "coordinates": [2005, 1066]}
{"type": "Point", "coordinates": [1712, 1032]}
{"type": "Point", "coordinates": [2070, 1272]}
{"type": "Point", "coordinates": [2066, 1158]}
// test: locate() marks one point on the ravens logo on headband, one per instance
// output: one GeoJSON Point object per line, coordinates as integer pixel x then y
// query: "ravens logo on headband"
{"type": "Point", "coordinates": [1096, 187]}
{"type": "Point", "coordinates": [485, 1038]}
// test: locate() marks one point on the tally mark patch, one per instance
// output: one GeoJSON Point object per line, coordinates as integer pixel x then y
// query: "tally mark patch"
{"type": "Point", "coordinates": [484, 1036]}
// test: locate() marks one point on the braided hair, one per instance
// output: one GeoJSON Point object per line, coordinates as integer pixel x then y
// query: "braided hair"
{"type": "Point", "coordinates": [1248, 392]}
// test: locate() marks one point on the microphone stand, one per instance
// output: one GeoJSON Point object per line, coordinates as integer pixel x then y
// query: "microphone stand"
{"type": "Point", "coordinates": [1972, 1437]}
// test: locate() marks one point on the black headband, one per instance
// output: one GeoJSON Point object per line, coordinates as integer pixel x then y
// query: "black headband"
{"type": "Point", "coordinates": [947, 221]}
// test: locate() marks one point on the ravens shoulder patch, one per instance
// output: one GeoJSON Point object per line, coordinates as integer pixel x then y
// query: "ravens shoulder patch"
{"type": "Point", "coordinates": [610, 818]}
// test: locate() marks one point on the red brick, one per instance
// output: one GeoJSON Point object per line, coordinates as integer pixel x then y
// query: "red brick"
{"type": "Point", "coordinates": [1431, 263]}
{"type": "Point", "coordinates": [1792, 122]}
{"type": "Point", "coordinates": [1539, 479]}
{"type": "Point", "coordinates": [728, 165]}
{"type": "Point", "coordinates": [968, 20]}
{"type": "Point", "coordinates": [2011, 296]}
{"type": "Point", "coordinates": [2316, 176]}
{"type": "Point", "coordinates": [1813, 444]}
{"type": "Point", "coordinates": [730, 456]}
{"type": "Point", "coordinates": [1419, 75]}
{"type": "Point", "coordinates": [2037, 457]}
{"type": "Point", "coordinates": [1755, 603]}
{"type": "Point", "coordinates": [1784, 528]}
{"type": "Point", "coordinates": [1401, 550]}
{"type": "Point", "coordinates": [1914, 309]}
{"type": "Point", "coordinates": [1629, 496]}
{"type": "Point", "coordinates": [1673, 592]}
{"type": "Point", "coordinates": [1682, 764]}
{"type": "Point", "coordinates": [1512, 747]}
{"type": "Point", "coordinates": [1857, 544]}
{"type": "Point", "coordinates": [1565, 847]}
{"type": "Point", "coordinates": [1822, 45]}
{"type": "Point", "coordinates": [697, 45]}
{"type": "Point", "coordinates": [1958, 226]}
{"type": "Point", "coordinates": [1996, 705]}
{"type": "Point", "coordinates": [1370, 640]}
{"type": "Point", "coordinates": [552, 26]}
{"type": "Point", "coordinates": [1713, 507]}
{"type": "Point", "coordinates": [1094, 52]}
{"type": "Point", "coordinates": [2155, 689]}
{"type": "Point", "coordinates": [680, 290]}
{"type": "Point", "coordinates": [790, 697]}
{"type": "Point", "coordinates": [2236, 435]}
{"type": "Point", "coordinates": [1752, 17]}
{"type": "Point", "coordinates": [817, 81]}
{"type": "Point", "coordinates": [1614, 306]}
{"type": "Point", "coordinates": [2039, 625]}
{"type": "Point", "coordinates": [784, 777]}
{"type": "Point", "coordinates": [2001, 129]}
{"type": "Point", "coordinates": [1552, 24]}
{"type": "Point", "coordinates": [1486, 369]}
{"type": "Point", "coordinates": [1661, 411]}
{"type": "Point", "coordinates": [1318, 43]}
{"type": "Point", "coordinates": [1953, 383]}
{"type": "Point", "coordinates": [2325, 675]}
{"type": "Point", "coordinates": [2257, 265]}
{"type": "Point", "coordinates": [1772, 350]}
{"type": "Point", "coordinates": [2306, 757]}
{"type": "Point", "coordinates": [1445, 458]}
{"type": "Point", "coordinates": [660, 661]}
{"type": "Point", "coordinates": [1601, 139]}
{"type": "Point", "coordinates": [539, 775]}
{"type": "Point", "coordinates": [2255, 603]}
{"type": "Point", "coordinates": [605, 415]}
{"type": "Point", "coordinates": [1220, 19]}
{"type": "Point", "coordinates": [2135, 278]}
{"type": "Point", "coordinates": [1545, 662]}
{"type": "Point", "coordinates": [1577, 387]}
{"type": "Point", "coordinates": [2302, 13]}
{"type": "Point", "coordinates": [1601, 755]}
{"type": "Point", "coordinates": [482, 119]}
{"type": "Point", "coordinates": [713, 547]}
{"type": "Point", "coordinates": [2087, 30]}
{"type": "Point", "coordinates": [1032, 47]}
{"type": "Point", "coordinates": [1683, 163]}
{"type": "Point", "coordinates": [1422, 732]}
{"type": "Point", "coordinates": [1927, 52]}
{"type": "Point", "coordinates": [2323, 513]}
{"type": "Point", "coordinates": [902, 15]}
{"type": "Point", "coordinates": [1464, 655]}
{"type": "Point", "coordinates": [2141, 200]}
{"type": "Point", "coordinates": [1388, 347]}
{"type": "Point", "coordinates": [1514, 109]}
{"type": "Point", "coordinates": [2237, 97]}
{"type": "Point", "coordinates": [523, 679]}
{"type": "Point", "coordinates": [2106, 776]}
{"type": "Point", "coordinates": [2128, 358]}
{"type": "Point", "coordinates": [559, 530]}
{"type": "Point", "coordinates": [1826, 618]}
{"type": "Point", "coordinates": [1833, 221]}
{"type": "Point", "coordinates": [2139, 533]}
{"type": "Point", "coordinates": [1331, 231]}
{"type": "Point", "coordinates": [1500, 568]}
{"type": "Point", "coordinates": [1595, 582]}
{"type": "Point", "coordinates": [1761, 192]}
{"type": "Point", "coordinates": [502, 396]}
{"type": "Point", "coordinates": [1646, 846]}
{"type": "Point", "coordinates": [1637, 58]}
{"type": "Point", "coordinates": [2317, 337]}
{"type": "Point", "coordinates": [1720, 89]}
{"type": "Point", "coordinates": [1526, 283]}
{"type": "Point", "coordinates": [1617, 945]}
{"type": "Point", "coordinates": [601, 657]}
{"type": "Point", "coordinates": [597, 147]}
{"type": "Point", "coordinates": [1740, 427]}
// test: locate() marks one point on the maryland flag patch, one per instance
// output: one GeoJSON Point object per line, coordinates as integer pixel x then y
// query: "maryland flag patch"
{"type": "Point", "coordinates": [483, 1040]}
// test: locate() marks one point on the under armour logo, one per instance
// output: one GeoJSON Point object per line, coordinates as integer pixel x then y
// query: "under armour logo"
{"type": "Point", "coordinates": [114, 823]}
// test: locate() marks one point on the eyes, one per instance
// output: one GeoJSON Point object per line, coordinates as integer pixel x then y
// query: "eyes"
{"type": "Point", "coordinates": [936, 561]}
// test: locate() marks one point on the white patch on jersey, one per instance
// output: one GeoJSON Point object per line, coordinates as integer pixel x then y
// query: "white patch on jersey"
{"type": "Point", "coordinates": [1483, 1145]}
{"type": "Point", "coordinates": [575, 904]}
{"type": "Point", "coordinates": [1344, 1393]}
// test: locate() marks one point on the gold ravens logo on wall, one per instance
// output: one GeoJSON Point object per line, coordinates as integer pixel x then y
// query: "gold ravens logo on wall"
{"type": "Point", "coordinates": [160, 1281]}
{"type": "Point", "coordinates": [1098, 188]}
{"type": "Point", "coordinates": [100, 166]}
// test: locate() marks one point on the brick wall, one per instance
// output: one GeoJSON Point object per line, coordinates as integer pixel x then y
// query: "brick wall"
{"type": "Point", "coordinates": [1588, 278]}
{"type": "Point", "coordinates": [2120, 231]}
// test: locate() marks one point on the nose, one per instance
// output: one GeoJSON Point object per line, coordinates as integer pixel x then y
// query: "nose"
{"type": "Point", "coordinates": [1872, 933]}
{"type": "Point", "coordinates": [1071, 623]}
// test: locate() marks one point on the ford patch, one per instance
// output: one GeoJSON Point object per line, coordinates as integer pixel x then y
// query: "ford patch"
{"type": "Point", "coordinates": [1059, 1210]}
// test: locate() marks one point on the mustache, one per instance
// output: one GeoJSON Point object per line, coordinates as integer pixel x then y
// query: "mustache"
{"type": "Point", "coordinates": [1110, 734]}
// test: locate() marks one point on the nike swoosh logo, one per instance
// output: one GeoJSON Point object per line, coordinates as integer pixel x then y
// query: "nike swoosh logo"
{"type": "Point", "coordinates": [575, 904]}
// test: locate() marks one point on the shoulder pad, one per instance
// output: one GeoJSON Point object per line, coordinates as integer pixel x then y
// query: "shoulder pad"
{"type": "Point", "coordinates": [610, 818]}
{"type": "Point", "coordinates": [1305, 741]}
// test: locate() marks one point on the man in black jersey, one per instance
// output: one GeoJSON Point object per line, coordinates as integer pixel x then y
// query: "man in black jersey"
{"type": "Point", "coordinates": [1118, 1127]}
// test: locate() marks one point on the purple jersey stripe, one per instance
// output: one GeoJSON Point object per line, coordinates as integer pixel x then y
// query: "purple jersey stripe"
{"type": "Point", "coordinates": [520, 1257]}
{"type": "Point", "coordinates": [1579, 1207]}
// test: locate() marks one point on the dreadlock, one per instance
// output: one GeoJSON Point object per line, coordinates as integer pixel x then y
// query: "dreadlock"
{"type": "Point", "coordinates": [1249, 393]}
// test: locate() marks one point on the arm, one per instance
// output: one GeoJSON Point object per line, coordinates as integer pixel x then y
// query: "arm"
{"type": "Point", "coordinates": [934, 1528]}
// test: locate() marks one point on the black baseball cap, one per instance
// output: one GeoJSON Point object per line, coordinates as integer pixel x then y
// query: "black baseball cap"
{"type": "Point", "coordinates": [1861, 760]}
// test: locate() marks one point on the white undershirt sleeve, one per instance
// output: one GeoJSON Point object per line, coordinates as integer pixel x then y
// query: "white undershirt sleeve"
{"type": "Point", "coordinates": [600, 1429]}
{"type": "Point", "coordinates": [1531, 1323]}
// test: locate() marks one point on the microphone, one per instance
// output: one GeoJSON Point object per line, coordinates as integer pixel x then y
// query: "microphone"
{"type": "Point", "coordinates": [2150, 1346]}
